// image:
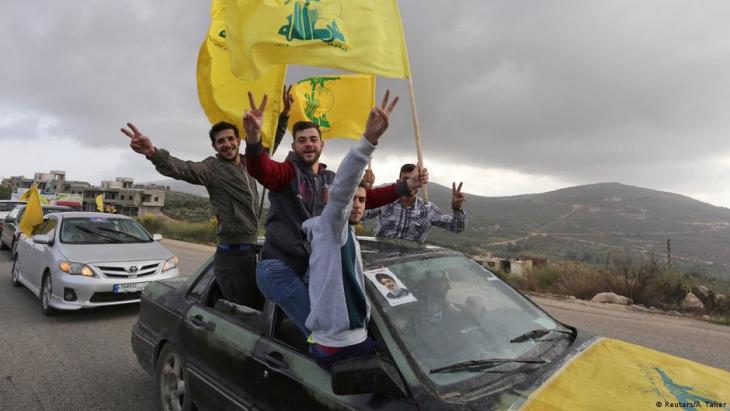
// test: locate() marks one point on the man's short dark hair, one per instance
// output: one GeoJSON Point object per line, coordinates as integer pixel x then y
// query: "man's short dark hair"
{"type": "Point", "coordinates": [220, 126]}
{"type": "Point", "coordinates": [381, 277]}
{"type": "Point", "coordinates": [407, 168]}
{"type": "Point", "coordinates": [303, 125]}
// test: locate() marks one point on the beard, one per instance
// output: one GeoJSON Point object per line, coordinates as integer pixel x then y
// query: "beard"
{"type": "Point", "coordinates": [311, 161]}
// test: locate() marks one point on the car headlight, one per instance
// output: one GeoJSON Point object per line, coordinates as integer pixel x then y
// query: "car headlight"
{"type": "Point", "coordinates": [170, 263]}
{"type": "Point", "coordinates": [76, 269]}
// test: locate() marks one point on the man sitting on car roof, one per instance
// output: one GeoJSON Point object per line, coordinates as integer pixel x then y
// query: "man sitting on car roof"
{"type": "Point", "coordinates": [339, 308]}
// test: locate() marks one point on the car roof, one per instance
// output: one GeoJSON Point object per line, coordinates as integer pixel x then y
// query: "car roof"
{"type": "Point", "coordinates": [381, 251]}
{"type": "Point", "coordinates": [46, 207]}
{"type": "Point", "coordinates": [86, 214]}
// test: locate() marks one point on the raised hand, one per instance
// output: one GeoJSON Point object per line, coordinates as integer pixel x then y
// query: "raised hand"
{"type": "Point", "coordinates": [369, 178]}
{"type": "Point", "coordinates": [253, 119]}
{"type": "Point", "coordinates": [457, 197]}
{"type": "Point", "coordinates": [288, 99]}
{"type": "Point", "coordinates": [378, 119]}
{"type": "Point", "coordinates": [419, 179]}
{"type": "Point", "coordinates": [139, 142]}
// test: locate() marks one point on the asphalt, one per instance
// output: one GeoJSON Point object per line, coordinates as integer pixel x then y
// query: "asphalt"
{"type": "Point", "coordinates": [79, 360]}
{"type": "Point", "coordinates": [83, 360]}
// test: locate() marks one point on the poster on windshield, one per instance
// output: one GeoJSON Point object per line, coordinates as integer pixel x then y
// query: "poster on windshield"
{"type": "Point", "coordinates": [390, 286]}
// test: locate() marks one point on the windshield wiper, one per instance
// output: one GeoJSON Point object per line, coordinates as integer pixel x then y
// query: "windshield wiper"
{"type": "Point", "coordinates": [109, 230]}
{"type": "Point", "coordinates": [535, 334]}
{"type": "Point", "coordinates": [481, 365]}
{"type": "Point", "coordinates": [84, 229]}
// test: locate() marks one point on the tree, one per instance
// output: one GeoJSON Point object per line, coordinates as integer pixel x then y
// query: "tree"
{"type": "Point", "coordinates": [5, 192]}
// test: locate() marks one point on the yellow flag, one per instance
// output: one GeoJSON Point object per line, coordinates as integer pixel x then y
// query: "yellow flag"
{"type": "Point", "coordinates": [222, 95]}
{"type": "Point", "coordinates": [33, 214]}
{"type": "Point", "coordinates": [617, 375]}
{"type": "Point", "coordinates": [359, 36]}
{"type": "Point", "coordinates": [340, 104]}
{"type": "Point", "coordinates": [100, 203]}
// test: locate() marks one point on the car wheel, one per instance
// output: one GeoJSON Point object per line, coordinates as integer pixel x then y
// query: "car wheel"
{"type": "Point", "coordinates": [172, 381]}
{"type": "Point", "coordinates": [15, 273]}
{"type": "Point", "coordinates": [46, 292]}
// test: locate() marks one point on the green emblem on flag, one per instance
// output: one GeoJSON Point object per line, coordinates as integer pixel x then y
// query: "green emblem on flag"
{"type": "Point", "coordinates": [313, 20]}
{"type": "Point", "coordinates": [319, 101]}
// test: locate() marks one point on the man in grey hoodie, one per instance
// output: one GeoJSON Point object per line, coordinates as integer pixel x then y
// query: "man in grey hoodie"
{"type": "Point", "coordinates": [339, 308]}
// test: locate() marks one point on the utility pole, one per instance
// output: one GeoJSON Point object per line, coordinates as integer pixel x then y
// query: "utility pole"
{"type": "Point", "coordinates": [669, 251]}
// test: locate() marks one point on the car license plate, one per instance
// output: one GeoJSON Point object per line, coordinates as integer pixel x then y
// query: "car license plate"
{"type": "Point", "coordinates": [129, 287]}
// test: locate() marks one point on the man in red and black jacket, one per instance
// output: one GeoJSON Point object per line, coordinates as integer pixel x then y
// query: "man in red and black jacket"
{"type": "Point", "coordinates": [298, 191]}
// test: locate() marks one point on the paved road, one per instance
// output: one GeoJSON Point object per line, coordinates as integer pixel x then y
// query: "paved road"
{"type": "Point", "coordinates": [83, 360]}
{"type": "Point", "coordinates": [700, 341]}
{"type": "Point", "coordinates": [79, 360]}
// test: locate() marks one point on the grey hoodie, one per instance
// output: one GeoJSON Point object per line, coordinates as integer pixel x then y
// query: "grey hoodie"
{"type": "Point", "coordinates": [339, 308]}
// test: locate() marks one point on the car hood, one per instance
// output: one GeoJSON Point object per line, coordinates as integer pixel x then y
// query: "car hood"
{"type": "Point", "coordinates": [97, 253]}
{"type": "Point", "coordinates": [626, 376]}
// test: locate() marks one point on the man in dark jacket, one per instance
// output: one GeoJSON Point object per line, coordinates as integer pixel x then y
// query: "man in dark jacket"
{"type": "Point", "coordinates": [233, 197]}
{"type": "Point", "coordinates": [298, 191]}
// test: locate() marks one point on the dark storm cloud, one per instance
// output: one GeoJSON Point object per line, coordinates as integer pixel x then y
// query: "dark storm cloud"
{"type": "Point", "coordinates": [636, 92]}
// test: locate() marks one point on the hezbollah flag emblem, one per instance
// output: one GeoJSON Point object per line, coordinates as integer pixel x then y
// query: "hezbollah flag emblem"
{"type": "Point", "coordinates": [339, 104]}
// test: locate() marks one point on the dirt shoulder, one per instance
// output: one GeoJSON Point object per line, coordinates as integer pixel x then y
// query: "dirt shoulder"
{"type": "Point", "coordinates": [678, 335]}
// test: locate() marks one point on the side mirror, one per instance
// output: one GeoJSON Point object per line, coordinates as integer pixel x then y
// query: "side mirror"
{"type": "Point", "coordinates": [156, 237]}
{"type": "Point", "coordinates": [41, 239]}
{"type": "Point", "coordinates": [367, 375]}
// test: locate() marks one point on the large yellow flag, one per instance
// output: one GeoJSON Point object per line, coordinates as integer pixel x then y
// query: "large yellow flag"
{"type": "Point", "coordinates": [33, 214]}
{"type": "Point", "coordinates": [222, 95]}
{"type": "Point", "coordinates": [616, 375]}
{"type": "Point", "coordinates": [340, 104]}
{"type": "Point", "coordinates": [360, 36]}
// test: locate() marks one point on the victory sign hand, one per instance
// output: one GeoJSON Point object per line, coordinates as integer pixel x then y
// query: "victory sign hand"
{"type": "Point", "coordinates": [457, 197]}
{"type": "Point", "coordinates": [378, 119]}
{"type": "Point", "coordinates": [139, 142]}
{"type": "Point", "coordinates": [253, 119]}
{"type": "Point", "coordinates": [287, 99]}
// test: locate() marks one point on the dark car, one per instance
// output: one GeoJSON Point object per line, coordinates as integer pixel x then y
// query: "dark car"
{"type": "Point", "coordinates": [10, 231]}
{"type": "Point", "coordinates": [460, 339]}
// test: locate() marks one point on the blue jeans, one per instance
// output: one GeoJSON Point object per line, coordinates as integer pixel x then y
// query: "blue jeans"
{"type": "Point", "coordinates": [326, 360]}
{"type": "Point", "coordinates": [280, 284]}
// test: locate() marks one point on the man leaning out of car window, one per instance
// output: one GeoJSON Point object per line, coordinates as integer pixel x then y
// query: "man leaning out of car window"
{"type": "Point", "coordinates": [339, 309]}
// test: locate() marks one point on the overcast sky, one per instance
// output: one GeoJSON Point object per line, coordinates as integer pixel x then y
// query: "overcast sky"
{"type": "Point", "coordinates": [513, 97]}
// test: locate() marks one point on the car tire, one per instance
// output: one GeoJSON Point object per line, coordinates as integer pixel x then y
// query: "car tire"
{"type": "Point", "coordinates": [15, 273]}
{"type": "Point", "coordinates": [173, 391]}
{"type": "Point", "coordinates": [46, 292]}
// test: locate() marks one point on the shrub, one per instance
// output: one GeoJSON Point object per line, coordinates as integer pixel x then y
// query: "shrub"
{"type": "Point", "coordinates": [201, 232]}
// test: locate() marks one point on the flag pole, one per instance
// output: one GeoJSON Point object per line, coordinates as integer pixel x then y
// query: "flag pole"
{"type": "Point", "coordinates": [263, 190]}
{"type": "Point", "coordinates": [417, 129]}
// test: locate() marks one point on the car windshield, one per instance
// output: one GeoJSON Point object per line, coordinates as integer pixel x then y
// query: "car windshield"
{"type": "Point", "coordinates": [102, 230]}
{"type": "Point", "coordinates": [8, 205]}
{"type": "Point", "coordinates": [448, 310]}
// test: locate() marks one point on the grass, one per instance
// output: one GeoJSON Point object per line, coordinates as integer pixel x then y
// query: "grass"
{"type": "Point", "coordinates": [198, 232]}
{"type": "Point", "coordinates": [646, 282]}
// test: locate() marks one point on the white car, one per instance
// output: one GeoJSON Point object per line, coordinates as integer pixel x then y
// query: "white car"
{"type": "Point", "coordinates": [82, 260]}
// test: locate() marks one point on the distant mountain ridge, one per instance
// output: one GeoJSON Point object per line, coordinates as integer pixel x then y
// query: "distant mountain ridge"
{"type": "Point", "coordinates": [584, 223]}
{"type": "Point", "coordinates": [587, 222]}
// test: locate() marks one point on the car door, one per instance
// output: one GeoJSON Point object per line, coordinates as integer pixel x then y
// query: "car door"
{"type": "Point", "coordinates": [218, 346]}
{"type": "Point", "coordinates": [9, 228]}
{"type": "Point", "coordinates": [38, 253]}
{"type": "Point", "coordinates": [286, 376]}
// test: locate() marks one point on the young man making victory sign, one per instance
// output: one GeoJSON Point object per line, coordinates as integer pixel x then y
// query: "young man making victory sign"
{"type": "Point", "coordinates": [298, 191]}
{"type": "Point", "coordinates": [339, 308]}
{"type": "Point", "coordinates": [233, 197]}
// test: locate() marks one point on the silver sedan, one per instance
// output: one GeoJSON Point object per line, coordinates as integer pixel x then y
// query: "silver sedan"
{"type": "Point", "coordinates": [81, 260]}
